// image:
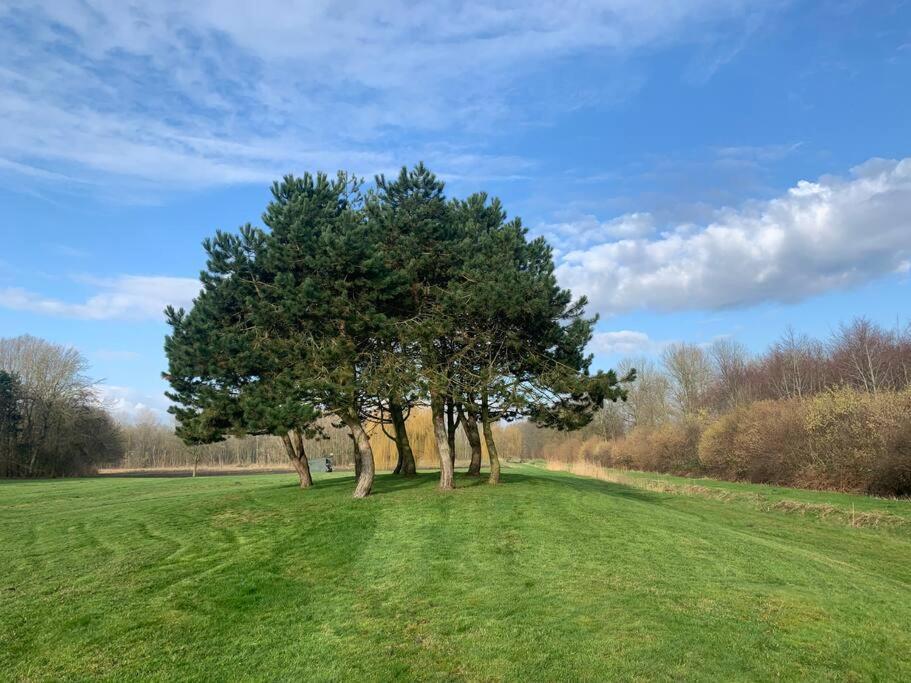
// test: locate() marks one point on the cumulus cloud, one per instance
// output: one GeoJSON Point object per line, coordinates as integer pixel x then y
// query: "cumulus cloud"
{"type": "Point", "coordinates": [217, 92]}
{"type": "Point", "coordinates": [818, 236]}
{"type": "Point", "coordinates": [128, 405]}
{"type": "Point", "coordinates": [589, 230]}
{"type": "Point", "coordinates": [128, 297]}
{"type": "Point", "coordinates": [623, 342]}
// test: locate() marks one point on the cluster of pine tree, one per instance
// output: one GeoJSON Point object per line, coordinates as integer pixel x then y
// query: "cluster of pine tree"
{"type": "Point", "coordinates": [360, 305]}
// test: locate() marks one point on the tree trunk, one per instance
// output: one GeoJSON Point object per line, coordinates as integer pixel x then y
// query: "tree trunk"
{"type": "Point", "coordinates": [470, 424]}
{"type": "Point", "coordinates": [301, 463]}
{"type": "Point", "coordinates": [295, 449]}
{"type": "Point", "coordinates": [355, 455]}
{"type": "Point", "coordinates": [491, 445]}
{"type": "Point", "coordinates": [437, 410]}
{"type": "Point", "coordinates": [402, 442]}
{"type": "Point", "coordinates": [451, 429]}
{"type": "Point", "coordinates": [362, 443]}
{"type": "Point", "coordinates": [195, 463]}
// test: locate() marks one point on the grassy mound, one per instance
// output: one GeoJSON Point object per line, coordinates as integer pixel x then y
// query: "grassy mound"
{"type": "Point", "coordinates": [548, 577]}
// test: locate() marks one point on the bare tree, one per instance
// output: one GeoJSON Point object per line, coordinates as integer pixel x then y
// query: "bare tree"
{"type": "Point", "coordinates": [733, 379]}
{"type": "Point", "coordinates": [865, 356]}
{"type": "Point", "coordinates": [903, 356]}
{"type": "Point", "coordinates": [648, 400]}
{"type": "Point", "coordinates": [62, 428]}
{"type": "Point", "coordinates": [795, 366]}
{"type": "Point", "coordinates": [691, 377]}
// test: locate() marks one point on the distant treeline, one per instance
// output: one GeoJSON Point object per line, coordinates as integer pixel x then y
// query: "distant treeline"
{"type": "Point", "coordinates": [149, 444]}
{"type": "Point", "coordinates": [833, 413]}
{"type": "Point", "coordinates": [51, 423]}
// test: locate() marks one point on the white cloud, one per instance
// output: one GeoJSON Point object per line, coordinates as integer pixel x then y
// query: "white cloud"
{"type": "Point", "coordinates": [129, 405]}
{"type": "Point", "coordinates": [128, 297]}
{"type": "Point", "coordinates": [624, 342]}
{"type": "Point", "coordinates": [180, 94]}
{"type": "Point", "coordinates": [589, 230]}
{"type": "Point", "coordinates": [630, 225]}
{"type": "Point", "coordinates": [817, 237]}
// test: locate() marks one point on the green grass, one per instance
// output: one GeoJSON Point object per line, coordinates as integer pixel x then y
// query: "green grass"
{"type": "Point", "coordinates": [547, 577]}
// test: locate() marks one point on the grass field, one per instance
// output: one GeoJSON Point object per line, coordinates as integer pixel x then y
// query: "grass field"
{"type": "Point", "coordinates": [547, 577]}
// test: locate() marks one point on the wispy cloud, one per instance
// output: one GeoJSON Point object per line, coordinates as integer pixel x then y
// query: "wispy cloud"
{"type": "Point", "coordinates": [128, 297]}
{"type": "Point", "coordinates": [178, 95]}
{"type": "Point", "coordinates": [69, 251]}
{"type": "Point", "coordinates": [758, 153]}
{"type": "Point", "coordinates": [624, 342]}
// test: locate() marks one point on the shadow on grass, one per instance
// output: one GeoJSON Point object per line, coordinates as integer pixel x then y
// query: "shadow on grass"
{"type": "Point", "coordinates": [584, 485]}
{"type": "Point", "coordinates": [391, 483]}
{"type": "Point", "coordinates": [387, 482]}
{"type": "Point", "coordinates": [384, 482]}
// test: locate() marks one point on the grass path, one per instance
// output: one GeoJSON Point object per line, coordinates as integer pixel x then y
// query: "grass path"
{"type": "Point", "coordinates": [548, 577]}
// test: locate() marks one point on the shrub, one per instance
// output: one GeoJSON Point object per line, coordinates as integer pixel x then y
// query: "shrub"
{"type": "Point", "coordinates": [763, 442]}
{"type": "Point", "coordinates": [843, 439]}
{"type": "Point", "coordinates": [671, 447]}
{"type": "Point", "coordinates": [858, 441]}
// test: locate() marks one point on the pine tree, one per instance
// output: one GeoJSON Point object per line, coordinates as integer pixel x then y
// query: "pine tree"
{"type": "Point", "coordinates": [224, 379]}
{"type": "Point", "coordinates": [419, 243]}
{"type": "Point", "coordinates": [332, 307]}
{"type": "Point", "coordinates": [521, 338]}
{"type": "Point", "coordinates": [359, 307]}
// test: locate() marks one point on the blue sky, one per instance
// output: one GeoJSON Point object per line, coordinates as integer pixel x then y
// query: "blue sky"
{"type": "Point", "coordinates": [704, 168]}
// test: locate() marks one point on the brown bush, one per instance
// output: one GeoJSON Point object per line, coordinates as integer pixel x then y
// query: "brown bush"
{"type": "Point", "coordinates": [671, 447]}
{"type": "Point", "coordinates": [842, 439]}
{"type": "Point", "coordinates": [858, 441]}
{"type": "Point", "coordinates": [597, 450]}
{"type": "Point", "coordinates": [892, 472]}
{"type": "Point", "coordinates": [763, 442]}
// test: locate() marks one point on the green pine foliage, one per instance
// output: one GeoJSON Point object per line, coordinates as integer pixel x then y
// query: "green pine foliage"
{"type": "Point", "coordinates": [359, 305]}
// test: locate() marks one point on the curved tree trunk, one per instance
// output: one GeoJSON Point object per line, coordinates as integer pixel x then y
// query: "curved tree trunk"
{"type": "Point", "coordinates": [398, 459]}
{"type": "Point", "coordinates": [294, 446]}
{"type": "Point", "coordinates": [365, 457]}
{"type": "Point", "coordinates": [355, 454]}
{"type": "Point", "coordinates": [470, 424]}
{"type": "Point", "coordinates": [407, 465]}
{"type": "Point", "coordinates": [491, 445]}
{"type": "Point", "coordinates": [303, 463]}
{"type": "Point", "coordinates": [437, 410]}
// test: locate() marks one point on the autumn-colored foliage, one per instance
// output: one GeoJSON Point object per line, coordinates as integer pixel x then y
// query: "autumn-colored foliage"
{"type": "Point", "coordinates": [842, 439]}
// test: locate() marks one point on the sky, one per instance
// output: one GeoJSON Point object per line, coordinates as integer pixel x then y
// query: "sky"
{"type": "Point", "coordinates": [703, 168]}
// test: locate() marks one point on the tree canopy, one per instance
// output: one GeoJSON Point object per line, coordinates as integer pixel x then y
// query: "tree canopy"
{"type": "Point", "coordinates": [358, 305]}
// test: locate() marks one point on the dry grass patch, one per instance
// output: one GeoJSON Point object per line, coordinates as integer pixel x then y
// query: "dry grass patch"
{"type": "Point", "coordinates": [820, 510]}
